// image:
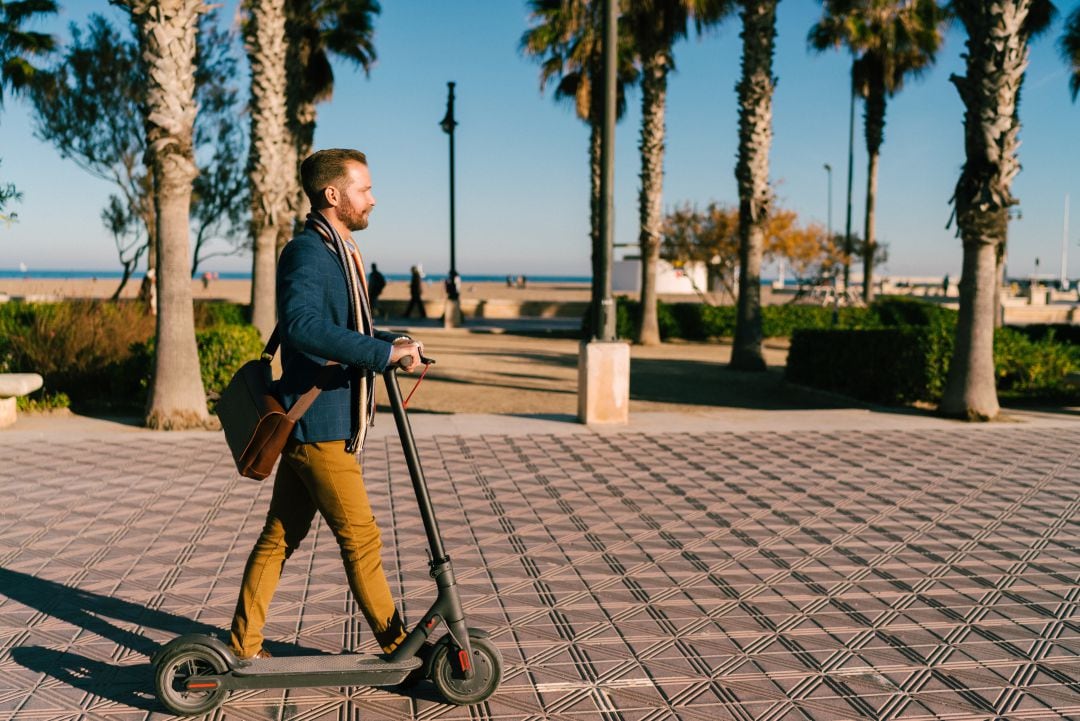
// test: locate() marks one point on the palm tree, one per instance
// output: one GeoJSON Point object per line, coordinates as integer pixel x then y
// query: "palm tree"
{"type": "Point", "coordinates": [167, 34]}
{"type": "Point", "coordinates": [752, 173]}
{"type": "Point", "coordinates": [18, 47]}
{"type": "Point", "coordinates": [890, 40]}
{"type": "Point", "coordinates": [656, 25]}
{"type": "Point", "coordinates": [997, 56]}
{"type": "Point", "coordinates": [271, 159]}
{"type": "Point", "coordinates": [317, 30]}
{"type": "Point", "coordinates": [566, 37]}
{"type": "Point", "coordinates": [1070, 50]}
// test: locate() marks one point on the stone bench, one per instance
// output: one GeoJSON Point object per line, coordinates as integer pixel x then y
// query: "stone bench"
{"type": "Point", "coordinates": [13, 385]}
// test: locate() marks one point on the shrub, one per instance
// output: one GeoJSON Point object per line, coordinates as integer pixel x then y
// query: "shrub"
{"type": "Point", "coordinates": [1033, 369]}
{"type": "Point", "coordinates": [97, 353]}
{"type": "Point", "coordinates": [222, 350]}
{"type": "Point", "coordinates": [887, 365]}
{"type": "Point", "coordinates": [42, 401]}
{"type": "Point", "coordinates": [1060, 332]}
{"type": "Point", "coordinates": [74, 345]}
{"type": "Point", "coordinates": [210, 313]}
{"type": "Point", "coordinates": [698, 321]}
{"type": "Point", "coordinates": [898, 311]}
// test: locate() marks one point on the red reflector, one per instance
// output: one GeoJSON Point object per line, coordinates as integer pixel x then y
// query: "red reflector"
{"type": "Point", "coordinates": [202, 684]}
{"type": "Point", "coordinates": [463, 659]}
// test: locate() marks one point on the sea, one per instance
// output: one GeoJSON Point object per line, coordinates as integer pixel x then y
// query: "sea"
{"type": "Point", "coordinates": [240, 275]}
{"type": "Point", "coordinates": [6, 273]}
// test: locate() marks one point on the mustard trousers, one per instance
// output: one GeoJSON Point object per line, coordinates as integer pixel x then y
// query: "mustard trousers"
{"type": "Point", "coordinates": [321, 477]}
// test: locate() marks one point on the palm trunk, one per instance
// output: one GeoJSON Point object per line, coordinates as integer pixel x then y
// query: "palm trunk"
{"type": "Point", "coordinates": [301, 103]}
{"type": "Point", "coordinates": [755, 90]}
{"type": "Point", "coordinates": [875, 135]}
{"type": "Point", "coordinates": [997, 56]}
{"type": "Point", "coordinates": [653, 101]}
{"type": "Point", "coordinates": [970, 390]}
{"type": "Point", "coordinates": [167, 31]}
{"type": "Point", "coordinates": [269, 167]}
{"type": "Point", "coordinates": [999, 283]}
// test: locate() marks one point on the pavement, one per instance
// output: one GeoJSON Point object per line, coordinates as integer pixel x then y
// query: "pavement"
{"type": "Point", "coordinates": [759, 553]}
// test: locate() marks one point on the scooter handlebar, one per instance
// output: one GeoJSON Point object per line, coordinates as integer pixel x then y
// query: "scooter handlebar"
{"type": "Point", "coordinates": [424, 360]}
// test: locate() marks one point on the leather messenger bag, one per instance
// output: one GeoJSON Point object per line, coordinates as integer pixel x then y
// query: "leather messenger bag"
{"type": "Point", "coordinates": [256, 425]}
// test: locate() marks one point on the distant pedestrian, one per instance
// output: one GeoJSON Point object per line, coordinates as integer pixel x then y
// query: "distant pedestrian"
{"type": "Point", "coordinates": [452, 285]}
{"type": "Point", "coordinates": [945, 285]}
{"type": "Point", "coordinates": [206, 280]}
{"type": "Point", "coordinates": [376, 285]}
{"type": "Point", "coordinates": [416, 290]}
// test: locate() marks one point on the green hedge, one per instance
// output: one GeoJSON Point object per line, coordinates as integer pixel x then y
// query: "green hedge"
{"type": "Point", "coordinates": [698, 321]}
{"type": "Point", "coordinates": [222, 350]}
{"type": "Point", "coordinates": [910, 361]}
{"type": "Point", "coordinates": [1034, 369]}
{"type": "Point", "coordinates": [98, 352]}
{"type": "Point", "coordinates": [1060, 332]}
{"type": "Point", "coordinates": [888, 365]}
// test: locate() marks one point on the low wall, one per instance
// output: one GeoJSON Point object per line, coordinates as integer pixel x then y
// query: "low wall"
{"type": "Point", "coordinates": [497, 308]}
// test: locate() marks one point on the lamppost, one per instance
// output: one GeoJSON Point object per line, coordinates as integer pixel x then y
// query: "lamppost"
{"type": "Point", "coordinates": [603, 362]}
{"type": "Point", "coordinates": [828, 213]}
{"type": "Point", "coordinates": [835, 270]}
{"type": "Point", "coordinates": [604, 326]}
{"type": "Point", "coordinates": [452, 311]}
{"type": "Point", "coordinates": [850, 174]}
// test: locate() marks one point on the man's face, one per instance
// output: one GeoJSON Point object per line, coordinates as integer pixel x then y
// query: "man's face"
{"type": "Point", "coordinates": [356, 198]}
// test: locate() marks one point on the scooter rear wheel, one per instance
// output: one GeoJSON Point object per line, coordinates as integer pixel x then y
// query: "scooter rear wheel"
{"type": "Point", "coordinates": [176, 668]}
{"type": "Point", "coordinates": [486, 662]}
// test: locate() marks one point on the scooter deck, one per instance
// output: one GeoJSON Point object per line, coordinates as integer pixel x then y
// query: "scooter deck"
{"type": "Point", "coordinates": [343, 663]}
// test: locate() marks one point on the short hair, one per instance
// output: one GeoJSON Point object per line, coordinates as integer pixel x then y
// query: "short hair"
{"type": "Point", "coordinates": [324, 169]}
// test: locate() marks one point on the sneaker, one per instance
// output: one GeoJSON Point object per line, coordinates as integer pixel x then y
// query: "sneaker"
{"type": "Point", "coordinates": [261, 653]}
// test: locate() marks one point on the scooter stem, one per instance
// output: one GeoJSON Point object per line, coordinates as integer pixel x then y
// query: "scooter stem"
{"type": "Point", "coordinates": [408, 445]}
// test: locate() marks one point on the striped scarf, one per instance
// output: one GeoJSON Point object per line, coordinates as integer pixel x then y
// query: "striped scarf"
{"type": "Point", "coordinates": [360, 315]}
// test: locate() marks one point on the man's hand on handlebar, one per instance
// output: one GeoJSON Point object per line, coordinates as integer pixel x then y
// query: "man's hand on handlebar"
{"type": "Point", "coordinates": [406, 354]}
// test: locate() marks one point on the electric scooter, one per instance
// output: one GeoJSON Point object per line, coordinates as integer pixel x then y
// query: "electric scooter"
{"type": "Point", "coordinates": [194, 673]}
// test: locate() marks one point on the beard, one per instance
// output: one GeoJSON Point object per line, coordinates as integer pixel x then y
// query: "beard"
{"type": "Point", "coordinates": [351, 216]}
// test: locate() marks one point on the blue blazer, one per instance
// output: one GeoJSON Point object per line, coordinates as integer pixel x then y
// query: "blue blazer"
{"type": "Point", "coordinates": [316, 325]}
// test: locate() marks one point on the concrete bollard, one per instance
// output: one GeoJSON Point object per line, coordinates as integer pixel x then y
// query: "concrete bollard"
{"type": "Point", "coordinates": [604, 382]}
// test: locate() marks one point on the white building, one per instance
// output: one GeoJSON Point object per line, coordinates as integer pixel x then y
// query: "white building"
{"type": "Point", "coordinates": [626, 277]}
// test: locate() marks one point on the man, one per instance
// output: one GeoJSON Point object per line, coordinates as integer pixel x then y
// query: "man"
{"type": "Point", "coordinates": [324, 316]}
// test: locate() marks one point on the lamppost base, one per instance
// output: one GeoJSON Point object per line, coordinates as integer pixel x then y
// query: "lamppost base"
{"type": "Point", "coordinates": [452, 317]}
{"type": "Point", "coordinates": [604, 383]}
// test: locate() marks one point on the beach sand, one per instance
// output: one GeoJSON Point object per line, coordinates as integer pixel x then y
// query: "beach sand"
{"type": "Point", "coordinates": [239, 291]}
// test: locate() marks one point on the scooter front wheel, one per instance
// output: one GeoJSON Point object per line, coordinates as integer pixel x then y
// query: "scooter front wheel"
{"type": "Point", "coordinates": [174, 671]}
{"type": "Point", "coordinates": [486, 664]}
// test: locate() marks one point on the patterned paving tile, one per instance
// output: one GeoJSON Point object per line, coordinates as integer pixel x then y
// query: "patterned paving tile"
{"type": "Point", "coordinates": [765, 576]}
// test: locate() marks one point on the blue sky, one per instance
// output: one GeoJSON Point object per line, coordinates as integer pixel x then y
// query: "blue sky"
{"type": "Point", "coordinates": [522, 173]}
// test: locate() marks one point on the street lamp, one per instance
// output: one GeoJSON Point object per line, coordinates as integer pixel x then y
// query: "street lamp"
{"type": "Point", "coordinates": [603, 361]}
{"type": "Point", "coordinates": [828, 170]}
{"type": "Point", "coordinates": [850, 174]}
{"type": "Point", "coordinates": [835, 270]}
{"type": "Point", "coordinates": [452, 312]}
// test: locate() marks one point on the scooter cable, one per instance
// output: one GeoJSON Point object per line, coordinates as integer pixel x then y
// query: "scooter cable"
{"type": "Point", "coordinates": [418, 380]}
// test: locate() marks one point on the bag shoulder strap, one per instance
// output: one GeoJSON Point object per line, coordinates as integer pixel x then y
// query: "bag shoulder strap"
{"type": "Point", "coordinates": [271, 345]}
{"type": "Point", "coordinates": [304, 401]}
